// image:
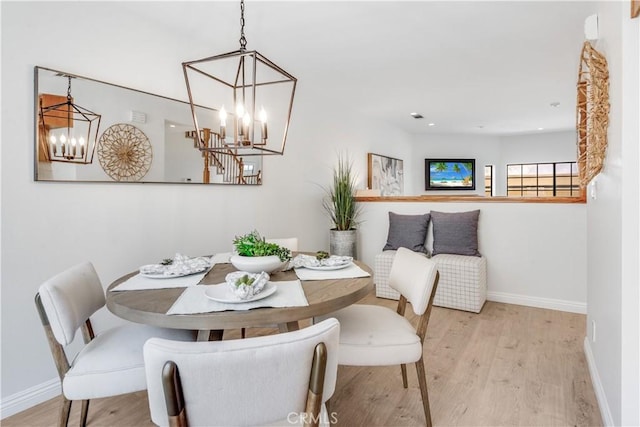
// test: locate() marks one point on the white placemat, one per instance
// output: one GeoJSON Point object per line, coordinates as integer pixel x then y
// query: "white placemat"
{"type": "Point", "coordinates": [350, 272]}
{"type": "Point", "coordinates": [141, 283]}
{"type": "Point", "coordinates": [193, 299]}
{"type": "Point", "coordinates": [221, 258]}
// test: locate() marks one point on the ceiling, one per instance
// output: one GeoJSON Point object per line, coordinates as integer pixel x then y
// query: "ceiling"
{"type": "Point", "coordinates": [488, 68]}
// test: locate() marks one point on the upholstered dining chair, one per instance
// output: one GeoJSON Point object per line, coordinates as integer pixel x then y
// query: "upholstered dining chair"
{"type": "Point", "coordinates": [290, 243]}
{"type": "Point", "coordinates": [372, 335]}
{"type": "Point", "coordinates": [281, 379]}
{"type": "Point", "coordinates": [111, 362]}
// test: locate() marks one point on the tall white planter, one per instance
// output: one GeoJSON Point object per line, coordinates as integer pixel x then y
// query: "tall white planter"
{"type": "Point", "coordinates": [343, 242]}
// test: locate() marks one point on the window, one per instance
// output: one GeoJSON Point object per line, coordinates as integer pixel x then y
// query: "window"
{"type": "Point", "coordinates": [488, 180]}
{"type": "Point", "coordinates": [543, 180]}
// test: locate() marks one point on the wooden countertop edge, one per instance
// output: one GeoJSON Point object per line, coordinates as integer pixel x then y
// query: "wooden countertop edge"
{"type": "Point", "coordinates": [476, 199]}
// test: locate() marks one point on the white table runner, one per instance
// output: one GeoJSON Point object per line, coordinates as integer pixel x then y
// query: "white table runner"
{"type": "Point", "coordinates": [141, 283]}
{"type": "Point", "coordinates": [193, 299]}
{"type": "Point", "coordinates": [350, 272]}
{"type": "Point", "coordinates": [221, 258]}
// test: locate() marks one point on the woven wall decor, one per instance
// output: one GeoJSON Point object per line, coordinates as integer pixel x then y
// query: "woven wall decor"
{"type": "Point", "coordinates": [592, 113]}
{"type": "Point", "coordinates": [124, 152]}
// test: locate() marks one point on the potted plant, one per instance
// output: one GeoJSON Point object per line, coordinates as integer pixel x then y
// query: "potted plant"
{"type": "Point", "coordinates": [255, 255]}
{"type": "Point", "coordinates": [340, 204]}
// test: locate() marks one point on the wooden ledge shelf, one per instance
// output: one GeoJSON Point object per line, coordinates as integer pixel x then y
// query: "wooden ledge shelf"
{"type": "Point", "coordinates": [474, 199]}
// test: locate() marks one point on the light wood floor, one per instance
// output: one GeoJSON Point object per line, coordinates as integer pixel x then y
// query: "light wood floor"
{"type": "Point", "coordinates": [507, 366]}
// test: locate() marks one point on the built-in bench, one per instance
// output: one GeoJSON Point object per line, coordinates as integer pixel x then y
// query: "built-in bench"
{"type": "Point", "coordinates": [462, 285]}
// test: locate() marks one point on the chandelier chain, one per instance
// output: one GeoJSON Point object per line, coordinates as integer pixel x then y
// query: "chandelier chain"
{"type": "Point", "coordinates": [243, 39]}
{"type": "Point", "coordinates": [69, 89]}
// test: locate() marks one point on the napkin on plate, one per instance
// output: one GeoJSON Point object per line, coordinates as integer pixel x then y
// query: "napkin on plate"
{"type": "Point", "coordinates": [180, 265]}
{"type": "Point", "coordinates": [303, 260]}
{"type": "Point", "coordinates": [193, 299]}
{"type": "Point", "coordinates": [350, 272]}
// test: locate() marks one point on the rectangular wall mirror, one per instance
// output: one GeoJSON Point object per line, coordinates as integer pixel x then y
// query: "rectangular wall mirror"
{"type": "Point", "coordinates": [138, 136]}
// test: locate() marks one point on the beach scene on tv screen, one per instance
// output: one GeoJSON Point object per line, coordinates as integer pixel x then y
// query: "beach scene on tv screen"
{"type": "Point", "coordinates": [451, 174]}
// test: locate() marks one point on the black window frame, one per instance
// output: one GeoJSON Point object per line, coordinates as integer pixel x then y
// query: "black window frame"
{"type": "Point", "coordinates": [574, 180]}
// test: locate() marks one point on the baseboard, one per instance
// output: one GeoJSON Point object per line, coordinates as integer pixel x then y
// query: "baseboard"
{"type": "Point", "coordinates": [550, 303]}
{"type": "Point", "coordinates": [601, 397]}
{"type": "Point", "coordinates": [30, 397]}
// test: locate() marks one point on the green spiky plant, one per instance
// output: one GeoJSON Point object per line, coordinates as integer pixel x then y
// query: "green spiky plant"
{"type": "Point", "coordinates": [340, 201]}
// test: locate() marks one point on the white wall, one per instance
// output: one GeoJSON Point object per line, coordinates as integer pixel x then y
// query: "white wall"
{"type": "Point", "coordinates": [612, 230]}
{"type": "Point", "coordinates": [491, 150]}
{"type": "Point", "coordinates": [48, 227]}
{"type": "Point", "coordinates": [485, 149]}
{"type": "Point", "coordinates": [535, 253]}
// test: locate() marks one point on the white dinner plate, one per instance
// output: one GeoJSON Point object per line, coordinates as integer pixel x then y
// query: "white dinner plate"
{"type": "Point", "coordinates": [171, 276]}
{"type": "Point", "coordinates": [223, 294]}
{"type": "Point", "coordinates": [328, 267]}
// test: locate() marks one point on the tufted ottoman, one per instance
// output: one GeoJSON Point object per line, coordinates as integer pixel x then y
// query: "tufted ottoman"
{"type": "Point", "coordinates": [462, 285]}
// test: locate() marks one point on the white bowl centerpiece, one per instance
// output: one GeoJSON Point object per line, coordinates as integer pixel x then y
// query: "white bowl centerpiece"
{"type": "Point", "coordinates": [255, 255]}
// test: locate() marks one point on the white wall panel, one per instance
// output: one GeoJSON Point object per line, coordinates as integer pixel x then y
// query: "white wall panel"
{"type": "Point", "coordinates": [533, 250]}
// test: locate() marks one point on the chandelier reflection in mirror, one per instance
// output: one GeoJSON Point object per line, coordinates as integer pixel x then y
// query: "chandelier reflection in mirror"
{"type": "Point", "coordinates": [253, 99]}
{"type": "Point", "coordinates": [68, 132]}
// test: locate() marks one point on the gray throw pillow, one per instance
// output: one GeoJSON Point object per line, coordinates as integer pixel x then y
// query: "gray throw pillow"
{"type": "Point", "coordinates": [407, 231]}
{"type": "Point", "coordinates": [455, 232]}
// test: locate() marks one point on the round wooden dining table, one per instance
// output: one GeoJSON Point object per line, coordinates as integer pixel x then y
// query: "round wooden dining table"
{"type": "Point", "coordinates": [150, 306]}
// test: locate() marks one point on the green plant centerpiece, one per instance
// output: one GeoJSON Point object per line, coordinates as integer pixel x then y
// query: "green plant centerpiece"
{"type": "Point", "coordinates": [253, 244]}
{"type": "Point", "coordinates": [255, 254]}
{"type": "Point", "coordinates": [340, 204]}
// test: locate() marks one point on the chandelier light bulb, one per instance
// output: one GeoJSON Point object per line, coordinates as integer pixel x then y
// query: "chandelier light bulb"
{"type": "Point", "coordinates": [239, 110]}
{"type": "Point", "coordinates": [223, 117]}
{"type": "Point", "coordinates": [63, 139]}
{"type": "Point", "coordinates": [81, 141]}
{"type": "Point", "coordinates": [246, 121]}
{"type": "Point", "coordinates": [263, 119]}
{"type": "Point", "coordinates": [53, 139]}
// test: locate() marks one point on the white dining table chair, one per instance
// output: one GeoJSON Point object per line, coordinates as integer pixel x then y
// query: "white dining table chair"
{"type": "Point", "coordinates": [373, 335]}
{"type": "Point", "coordinates": [281, 379]}
{"type": "Point", "coordinates": [111, 362]}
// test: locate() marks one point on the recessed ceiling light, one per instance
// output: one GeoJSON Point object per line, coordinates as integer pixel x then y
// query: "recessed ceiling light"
{"type": "Point", "coordinates": [431, 124]}
{"type": "Point", "coordinates": [172, 126]}
{"type": "Point", "coordinates": [480, 126]}
{"type": "Point", "coordinates": [540, 128]}
{"type": "Point", "coordinates": [417, 115]}
{"type": "Point", "coordinates": [555, 104]}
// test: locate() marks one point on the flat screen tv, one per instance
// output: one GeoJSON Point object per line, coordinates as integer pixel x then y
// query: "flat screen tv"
{"type": "Point", "coordinates": [450, 174]}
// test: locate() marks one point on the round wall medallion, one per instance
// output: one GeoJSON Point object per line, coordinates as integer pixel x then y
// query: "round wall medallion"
{"type": "Point", "coordinates": [124, 152]}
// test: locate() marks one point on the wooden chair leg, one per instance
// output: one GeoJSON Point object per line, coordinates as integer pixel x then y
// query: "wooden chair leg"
{"type": "Point", "coordinates": [64, 412]}
{"type": "Point", "coordinates": [243, 333]}
{"type": "Point", "coordinates": [84, 413]}
{"type": "Point", "coordinates": [403, 368]}
{"type": "Point", "coordinates": [422, 380]}
{"type": "Point", "coordinates": [327, 406]}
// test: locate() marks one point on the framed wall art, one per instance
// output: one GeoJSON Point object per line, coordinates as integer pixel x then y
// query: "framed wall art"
{"type": "Point", "coordinates": [385, 174]}
{"type": "Point", "coordinates": [450, 174]}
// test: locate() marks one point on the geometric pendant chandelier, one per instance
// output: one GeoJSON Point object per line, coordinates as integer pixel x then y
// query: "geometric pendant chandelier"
{"type": "Point", "coordinates": [67, 131]}
{"type": "Point", "coordinates": [247, 101]}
